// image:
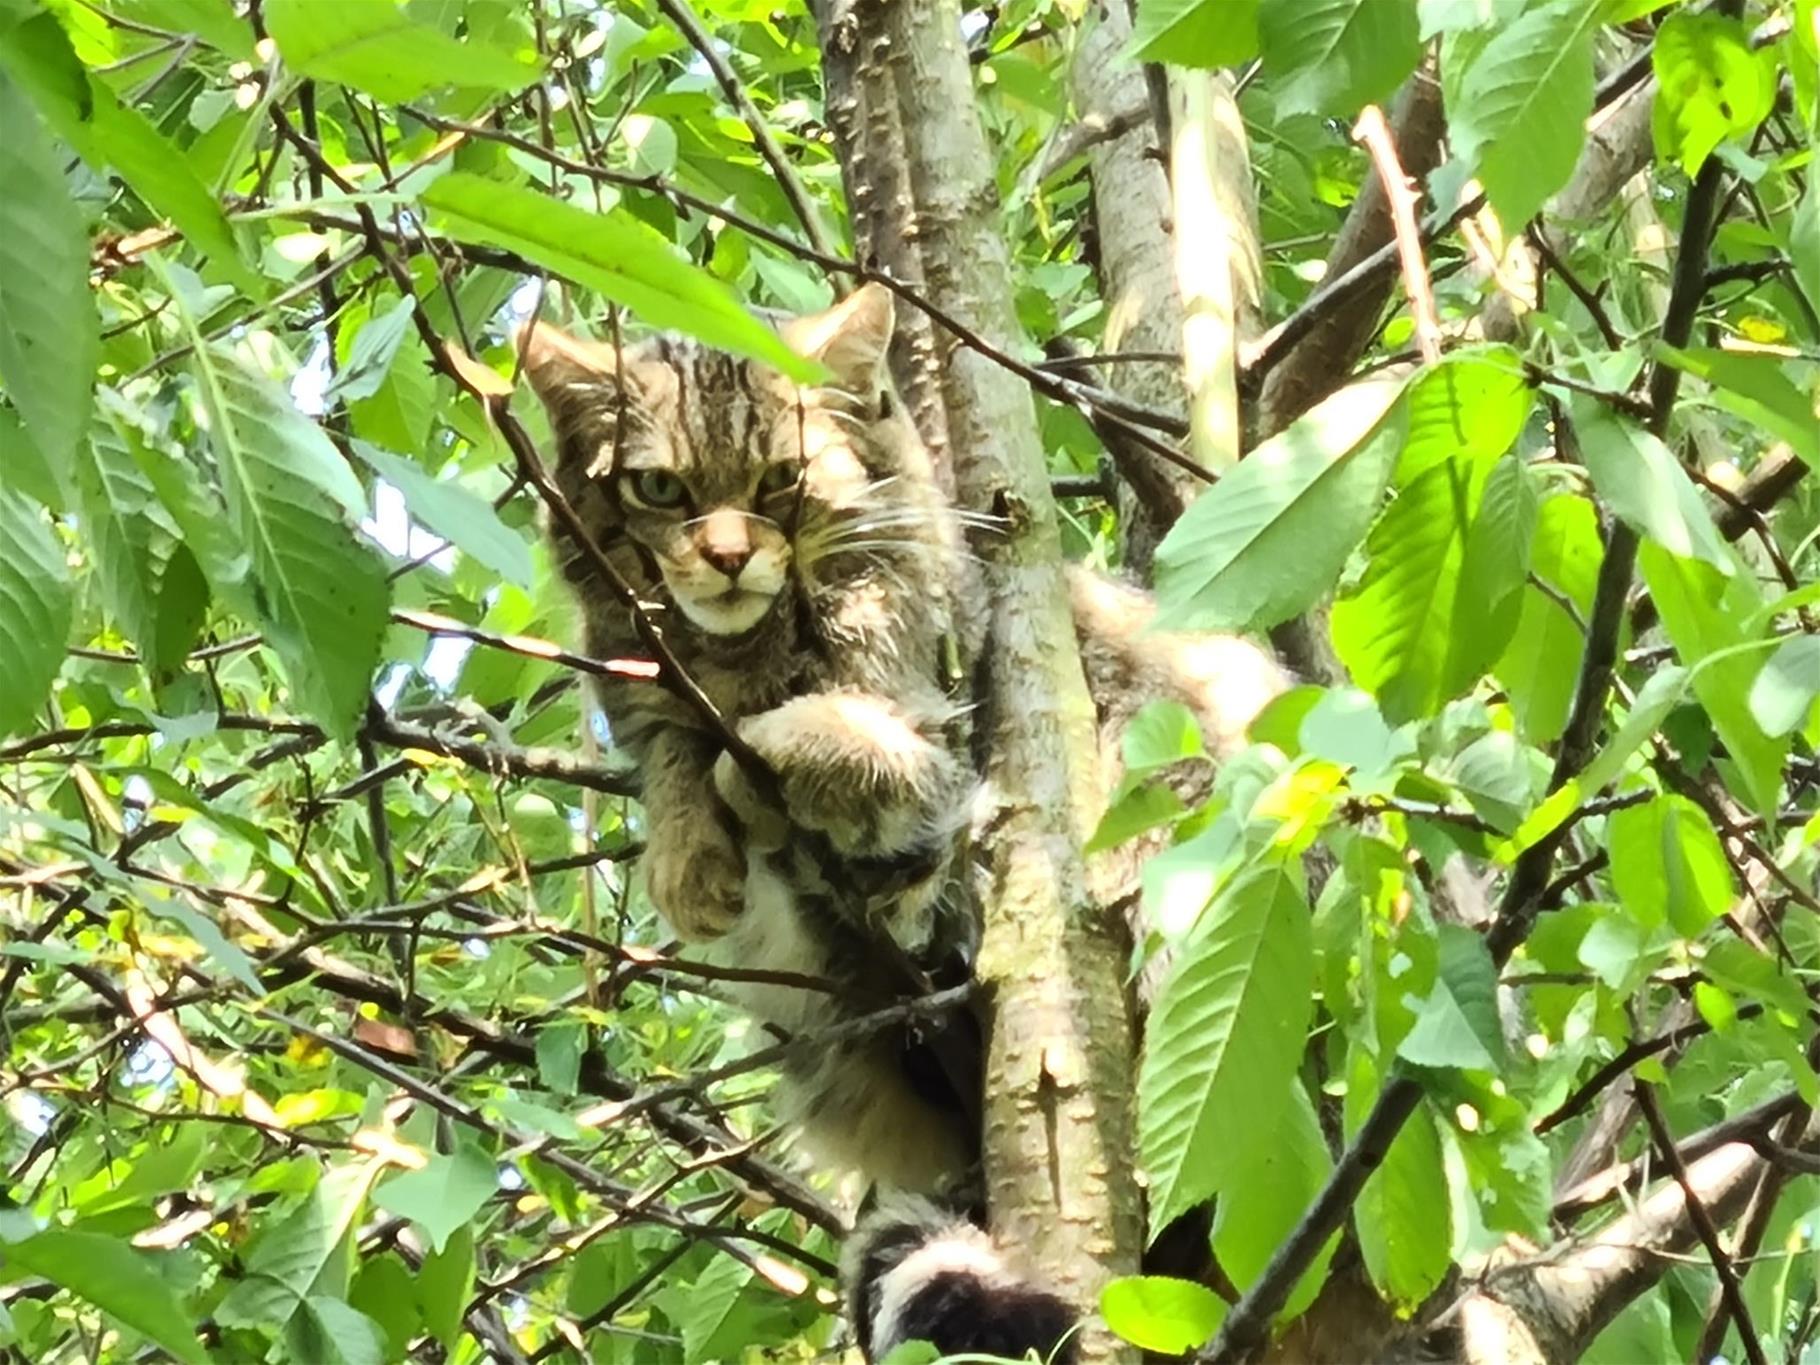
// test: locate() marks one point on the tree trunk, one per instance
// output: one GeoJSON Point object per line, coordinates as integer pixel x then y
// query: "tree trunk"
{"type": "Point", "coordinates": [1058, 1126]}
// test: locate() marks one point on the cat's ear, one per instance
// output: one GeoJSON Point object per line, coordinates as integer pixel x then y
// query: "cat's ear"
{"type": "Point", "coordinates": [566, 371]}
{"type": "Point", "coordinates": [851, 339]}
{"type": "Point", "coordinates": [589, 390]}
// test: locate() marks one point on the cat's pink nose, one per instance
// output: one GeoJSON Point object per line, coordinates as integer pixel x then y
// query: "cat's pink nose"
{"type": "Point", "coordinates": [729, 559]}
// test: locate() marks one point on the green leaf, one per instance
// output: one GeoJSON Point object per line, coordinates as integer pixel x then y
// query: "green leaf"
{"type": "Point", "coordinates": [129, 532]}
{"type": "Point", "coordinates": [1270, 537]}
{"type": "Point", "coordinates": [444, 1284]}
{"type": "Point", "coordinates": [1701, 612]}
{"type": "Point", "coordinates": [1540, 664]}
{"type": "Point", "coordinates": [1753, 385]}
{"type": "Point", "coordinates": [329, 1332]}
{"type": "Point", "coordinates": [387, 1292]}
{"type": "Point", "coordinates": [107, 133]}
{"type": "Point", "coordinates": [1655, 699]}
{"type": "Point", "coordinates": [1394, 630]}
{"type": "Point", "coordinates": [1518, 112]}
{"type": "Point", "coordinates": [1494, 567]}
{"type": "Point", "coordinates": [1667, 861]}
{"type": "Point", "coordinates": [1642, 482]}
{"type": "Point", "coordinates": [1710, 86]}
{"type": "Point", "coordinates": [1267, 1198]}
{"type": "Point", "coordinates": [36, 609]}
{"type": "Point", "coordinates": [1161, 733]}
{"type": "Point", "coordinates": [1403, 1216]}
{"type": "Point", "coordinates": [559, 1048]}
{"type": "Point", "coordinates": [1787, 685]}
{"type": "Point", "coordinates": [1223, 1040]}
{"type": "Point", "coordinates": [213, 21]}
{"type": "Point", "coordinates": [1458, 1025]}
{"type": "Point", "coordinates": [283, 1264]}
{"type": "Point", "coordinates": [1472, 405]}
{"type": "Point", "coordinates": [1135, 807]}
{"type": "Point", "coordinates": [613, 254]}
{"type": "Point", "coordinates": [455, 514]}
{"type": "Point", "coordinates": [1157, 1313]}
{"type": "Point", "coordinates": [1804, 243]}
{"type": "Point", "coordinates": [371, 353]}
{"type": "Point", "coordinates": [50, 341]}
{"type": "Point", "coordinates": [1336, 56]}
{"type": "Point", "coordinates": [445, 1194]}
{"type": "Point", "coordinates": [118, 1280]}
{"type": "Point", "coordinates": [1198, 33]}
{"type": "Point", "coordinates": [321, 594]}
{"type": "Point", "coordinates": [377, 47]}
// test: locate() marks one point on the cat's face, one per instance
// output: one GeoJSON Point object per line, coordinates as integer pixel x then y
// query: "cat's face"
{"type": "Point", "coordinates": [723, 472]}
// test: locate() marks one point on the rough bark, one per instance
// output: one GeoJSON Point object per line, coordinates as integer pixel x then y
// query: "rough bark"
{"type": "Point", "coordinates": [1546, 1310]}
{"type": "Point", "coordinates": [1057, 1124]}
{"type": "Point", "coordinates": [1136, 273]}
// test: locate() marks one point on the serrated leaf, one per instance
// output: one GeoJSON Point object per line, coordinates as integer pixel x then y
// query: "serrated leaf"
{"type": "Point", "coordinates": [1223, 1040]}
{"type": "Point", "coordinates": [111, 135]}
{"type": "Point", "coordinates": [1262, 544]}
{"type": "Point", "coordinates": [455, 514]}
{"type": "Point", "coordinates": [1268, 1197]}
{"type": "Point", "coordinates": [284, 1263]}
{"type": "Point", "coordinates": [321, 595]}
{"type": "Point", "coordinates": [1473, 404]}
{"type": "Point", "coordinates": [615, 255]}
{"type": "Point", "coordinates": [1157, 1313]}
{"type": "Point", "coordinates": [1458, 1026]}
{"type": "Point", "coordinates": [1642, 482]}
{"type": "Point", "coordinates": [1336, 56]}
{"type": "Point", "coordinates": [1540, 664]}
{"type": "Point", "coordinates": [50, 340]}
{"type": "Point", "coordinates": [377, 47]}
{"type": "Point", "coordinates": [1393, 631]}
{"type": "Point", "coordinates": [1134, 808]}
{"type": "Point", "coordinates": [1702, 612]}
{"type": "Point", "coordinates": [1710, 85]}
{"type": "Point", "coordinates": [445, 1194]}
{"type": "Point", "coordinates": [1494, 566]}
{"type": "Point", "coordinates": [115, 1278]}
{"type": "Point", "coordinates": [1667, 863]}
{"type": "Point", "coordinates": [1403, 1216]}
{"type": "Point", "coordinates": [129, 532]}
{"type": "Point", "coordinates": [36, 609]}
{"type": "Point", "coordinates": [1787, 685]}
{"type": "Point", "coordinates": [1196, 33]}
{"type": "Point", "coordinates": [1518, 111]}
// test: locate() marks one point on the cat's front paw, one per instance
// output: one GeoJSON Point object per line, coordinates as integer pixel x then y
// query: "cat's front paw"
{"type": "Point", "coordinates": [696, 875]}
{"type": "Point", "coordinates": [850, 766]}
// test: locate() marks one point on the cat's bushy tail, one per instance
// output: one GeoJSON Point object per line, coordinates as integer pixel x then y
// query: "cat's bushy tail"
{"type": "Point", "coordinates": [917, 1270]}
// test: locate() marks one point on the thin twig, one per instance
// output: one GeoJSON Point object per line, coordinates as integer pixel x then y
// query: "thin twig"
{"type": "Point", "coordinates": [1729, 1288]}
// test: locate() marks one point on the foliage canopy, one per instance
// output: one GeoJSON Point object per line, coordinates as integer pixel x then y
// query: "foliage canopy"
{"type": "Point", "coordinates": [338, 1028]}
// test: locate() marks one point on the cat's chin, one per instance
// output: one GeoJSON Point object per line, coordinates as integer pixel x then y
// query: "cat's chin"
{"type": "Point", "coordinates": [729, 613]}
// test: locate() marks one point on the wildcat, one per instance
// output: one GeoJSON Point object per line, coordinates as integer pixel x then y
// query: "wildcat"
{"type": "Point", "coordinates": [794, 548]}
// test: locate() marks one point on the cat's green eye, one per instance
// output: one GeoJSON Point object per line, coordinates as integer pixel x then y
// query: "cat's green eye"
{"type": "Point", "coordinates": [780, 478]}
{"type": "Point", "coordinates": [658, 488]}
